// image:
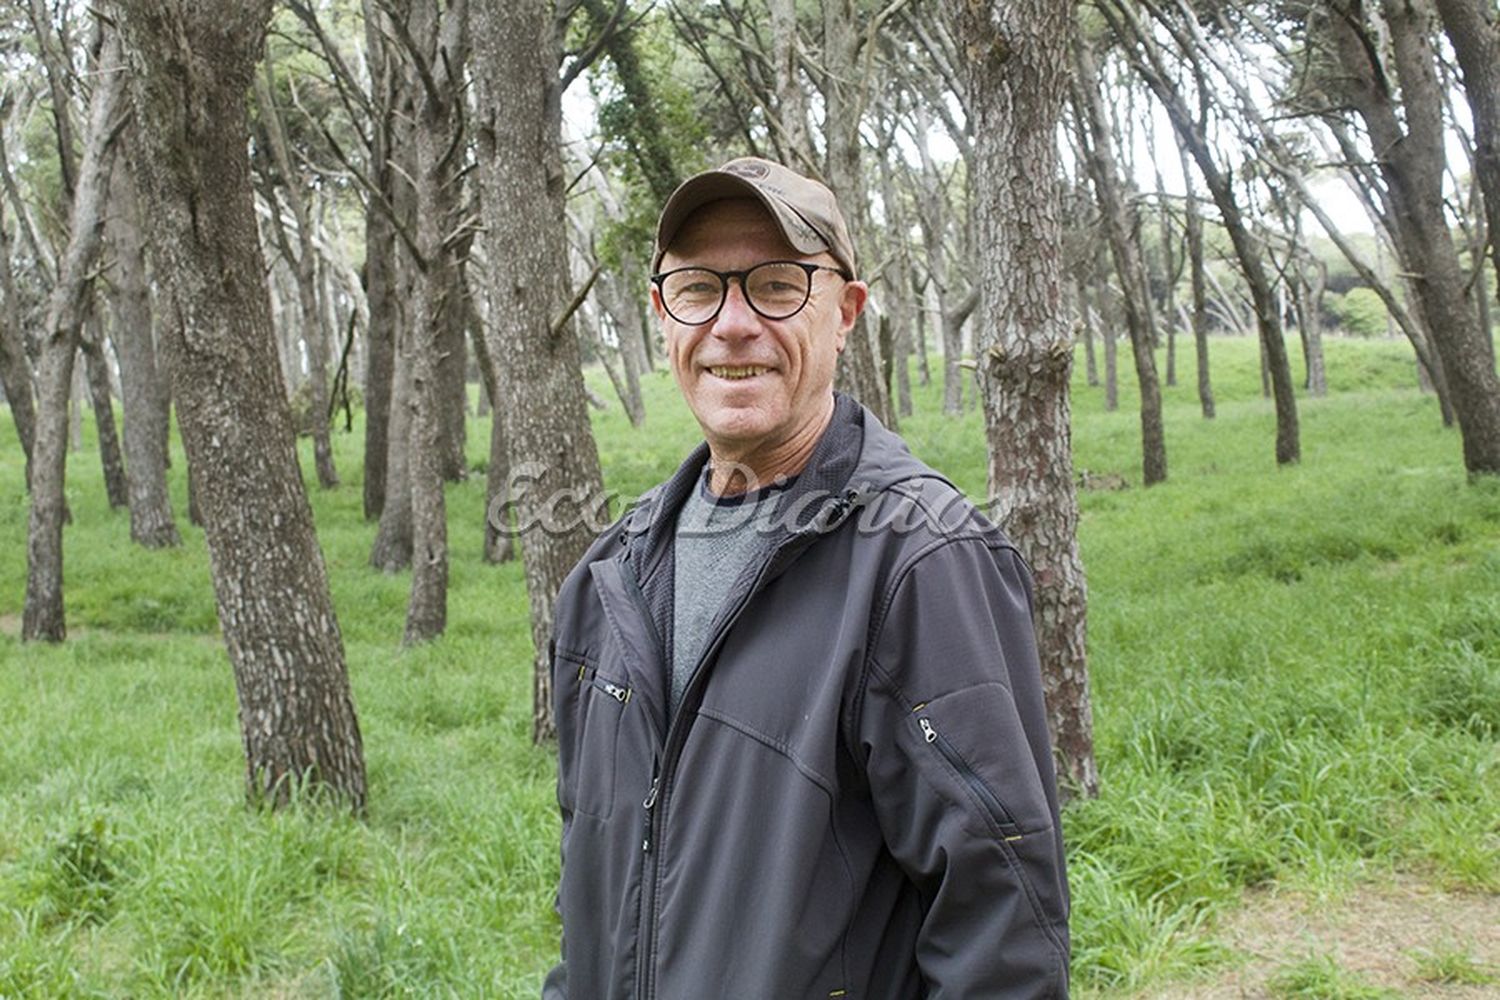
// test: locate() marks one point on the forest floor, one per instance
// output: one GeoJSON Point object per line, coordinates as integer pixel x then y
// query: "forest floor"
{"type": "Point", "coordinates": [1295, 674]}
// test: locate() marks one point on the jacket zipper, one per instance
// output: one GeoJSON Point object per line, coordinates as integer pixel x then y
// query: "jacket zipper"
{"type": "Point", "coordinates": [998, 814]}
{"type": "Point", "coordinates": [672, 747]}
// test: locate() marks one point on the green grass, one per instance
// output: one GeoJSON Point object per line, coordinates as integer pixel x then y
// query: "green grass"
{"type": "Point", "coordinates": [1321, 978]}
{"type": "Point", "coordinates": [1296, 677]}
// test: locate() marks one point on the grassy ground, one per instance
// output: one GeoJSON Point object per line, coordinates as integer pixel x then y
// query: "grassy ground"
{"type": "Point", "coordinates": [1296, 679]}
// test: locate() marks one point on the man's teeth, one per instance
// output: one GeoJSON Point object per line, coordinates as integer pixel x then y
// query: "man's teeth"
{"type": "Point", "coordinates": [738, 371]}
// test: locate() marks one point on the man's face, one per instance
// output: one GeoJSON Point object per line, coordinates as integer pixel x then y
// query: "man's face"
{"type": "Point", "coordinates": [755, 383]}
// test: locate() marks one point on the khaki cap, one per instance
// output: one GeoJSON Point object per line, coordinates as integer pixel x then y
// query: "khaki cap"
{"type": "Point", "coordinates": [804, 209]}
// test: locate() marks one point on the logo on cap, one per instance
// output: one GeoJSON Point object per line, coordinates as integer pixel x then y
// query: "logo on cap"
{"type": "Point", "coordinates": [754, 171]}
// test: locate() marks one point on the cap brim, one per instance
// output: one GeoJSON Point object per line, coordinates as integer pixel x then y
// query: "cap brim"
{"type": "Point", "coordinates": [716, 185]}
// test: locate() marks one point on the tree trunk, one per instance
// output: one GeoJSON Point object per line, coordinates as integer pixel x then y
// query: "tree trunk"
{"type": "Point", "coordinates": [1098, 147]}
{"type": "Point", "coordinates": [1017, 82]}
{"type": "Point", "coordinates": [304, 270]}
{"type": "Point", "coordinates": [391, 550]}
{"type": "Point", "coordinates": [1473, 28]}
{"type": "Point", "coordinates": [143, 387]}
{"type": "Point", "coordinates": [537, 359]}
{"type": "Point", "coordinates": [380, 274]}
{"type": "Point", "coordinates": [498, 540]}
{"type": "Point", "coordinates": [1193, 222]}
{"type": "Point", "coordinates": [43, 617]}
{"type": "Point", "coordinates": [1146, 58]}
{"type": "Point", "coordinates": [96, 369]}
{"type": "Point", "coordinates": [1412, 166]}
{"type": "Point", "coordinates": [860, 365]}
{"type": "Point", "coordinates": [15, 369]}
{"type": "Point", "coordinates": [1086, 318]}
{"type": "Point", "coordinates": [436, 57]}
{"type": "Point", "coordinates": [192, 63]}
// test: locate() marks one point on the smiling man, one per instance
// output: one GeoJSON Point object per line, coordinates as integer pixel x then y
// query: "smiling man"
{"type": "Point", "coordinates": [802, 750]}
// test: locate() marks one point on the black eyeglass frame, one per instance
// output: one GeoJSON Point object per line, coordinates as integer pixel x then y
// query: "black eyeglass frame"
{"type": "Point", "coordinates": [659, 280]}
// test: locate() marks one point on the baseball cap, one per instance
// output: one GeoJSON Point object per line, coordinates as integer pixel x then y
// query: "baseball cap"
{"type": "Point", "coordinates": [804, 209]}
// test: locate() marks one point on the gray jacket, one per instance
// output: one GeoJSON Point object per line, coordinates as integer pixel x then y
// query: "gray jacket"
{"type": "Point", "coordinates": [856, 798]}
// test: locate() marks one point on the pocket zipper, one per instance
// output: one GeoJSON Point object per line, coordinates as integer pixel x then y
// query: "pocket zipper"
{"type": "Point", "coordinates": [615, 691]}
{"type": "Point", "coordinates": [1009, 831]}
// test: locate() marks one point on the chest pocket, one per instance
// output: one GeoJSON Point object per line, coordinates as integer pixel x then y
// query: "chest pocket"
{"type": "Point", "coordinates": [590, 703]}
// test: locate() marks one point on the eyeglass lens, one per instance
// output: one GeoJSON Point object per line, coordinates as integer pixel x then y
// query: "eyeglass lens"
{"type": "Point", "coordinates": [776, 290]}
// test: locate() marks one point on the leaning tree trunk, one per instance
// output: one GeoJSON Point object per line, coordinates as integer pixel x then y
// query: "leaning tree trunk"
{"type": "Point", "coordinates": [1412, 167]}
{"type": "Point", "coordinates": [1473, 28]}
{"type": "Point", "coordinates": [43, 616]}
{"type": "Point", "coordinates": [1017, 81]}
{"type": "Point", "coordinates": [1098, 148]}
{"type": "Point", "coordinates": [1145, 56]}
{"type": "Point", "coordinates": [143, 387]}
{"type": "Point", "coordinates": [191, 67]}
{"type": "Point", "coordinates": [541, 383]}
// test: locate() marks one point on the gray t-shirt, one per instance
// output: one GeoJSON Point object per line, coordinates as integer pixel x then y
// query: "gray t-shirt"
{"type": "Point", "coordinates": [717, 537]}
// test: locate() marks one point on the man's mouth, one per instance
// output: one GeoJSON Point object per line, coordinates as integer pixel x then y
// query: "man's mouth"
{"type": "Point", "coordinates": [734, 372]}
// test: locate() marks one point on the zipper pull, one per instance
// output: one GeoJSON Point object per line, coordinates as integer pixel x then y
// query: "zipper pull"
{"type": "Point", "coordinates": [618, 693]}
{"type": "Point", "coordinates": [928, 733]}
{"type": "Point", "coordinates": [648, 803]}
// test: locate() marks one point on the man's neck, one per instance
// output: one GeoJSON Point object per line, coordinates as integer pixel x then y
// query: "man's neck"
{"type": "Point", "coordinates": [734, 471]}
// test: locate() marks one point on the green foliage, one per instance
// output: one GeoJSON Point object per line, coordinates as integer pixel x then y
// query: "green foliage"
{"type": "Point", "coordinates": [1361, 312]}
{"type": "Point", "coordinates": [1294, 675]}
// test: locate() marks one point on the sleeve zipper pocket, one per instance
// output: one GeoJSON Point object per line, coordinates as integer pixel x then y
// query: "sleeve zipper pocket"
{"type": "Point", "coordinates": [998, 814]}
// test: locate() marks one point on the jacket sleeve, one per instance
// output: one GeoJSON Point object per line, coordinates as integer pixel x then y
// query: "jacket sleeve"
{"type": "Point", "coordinates": [953, 733]}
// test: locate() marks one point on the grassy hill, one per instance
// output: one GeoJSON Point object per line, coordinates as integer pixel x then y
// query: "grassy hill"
{"type": "Point", "coordinates": [1296, 678]}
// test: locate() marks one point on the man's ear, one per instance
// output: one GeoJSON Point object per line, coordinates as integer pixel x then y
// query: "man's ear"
{"type": "Point", "coordinates": [851, 304]}
{"type": "Point", "coordinates": [656, 306]}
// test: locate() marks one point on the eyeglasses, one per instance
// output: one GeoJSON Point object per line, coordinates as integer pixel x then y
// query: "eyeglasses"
{"type": "Point", "coordinates": [777, 289]}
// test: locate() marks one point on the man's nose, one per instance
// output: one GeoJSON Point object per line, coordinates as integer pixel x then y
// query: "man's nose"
{"type": "Point", "coordinates": [736, 315]}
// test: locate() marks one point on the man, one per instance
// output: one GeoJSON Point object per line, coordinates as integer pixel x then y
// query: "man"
{"type": "Point", "coordinates": [802, 747]}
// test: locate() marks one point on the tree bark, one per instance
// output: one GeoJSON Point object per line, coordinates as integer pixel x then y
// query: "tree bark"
{"type": "Point", "coordinates": [15, 369]}
{"type": "Point", "coordinates": [43, 617]}
{"type": "Point", "coordinates": [499, 544]}
{"type": "Point", "coordinates": [1410, 157]}
{"type": "Point", "coordinates": [537, 359]}
{"type": "Point", "coordinates": [1193, 223]}
{"type": "Point", "coordinates": [96, 370]}
{"type": "Point", "coordinates": [380, 274]}
{"type": "Point", "coordinates": [436, 56]}
{"type": "Point", "coordinates": [143, 388]}
{"type": "Point", "coordinates": [304, 269]}
{"type": "Point", "coordinates": [1473, 28]}
{"type": "Point", "coordinates": [192, 63]}
{"type": "Point", "coordinates": [1144, 56]}
{"type": "Point", "coordinates": [860, 365]}
{"type": "Point", "coordinates": [1017, 82]}
{"type": "Point", "coordinates": [1099, 152]}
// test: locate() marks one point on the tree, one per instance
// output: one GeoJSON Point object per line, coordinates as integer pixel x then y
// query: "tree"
{"type": "Point", "coordinates": [143, 385]}
{"type": "Point", "coordinates": [1473, 28]}
{"type": "Point", "coordinates": [303, 263]}
{"type": "Point", "coordinates": [1017, 81]}
{"type": "Point", "coordinates": [1119, 227]}
{"type": "Point", "coordinates": [1408, 138]}
{"type": "Point", "coordinates": [1147, 58]}
{"type": "Point", "coordinates": [192, 63]}
{"type": "Point", "coordinates": [534, 347]}
{"type": "Point", "coordinates": [43, 617]}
